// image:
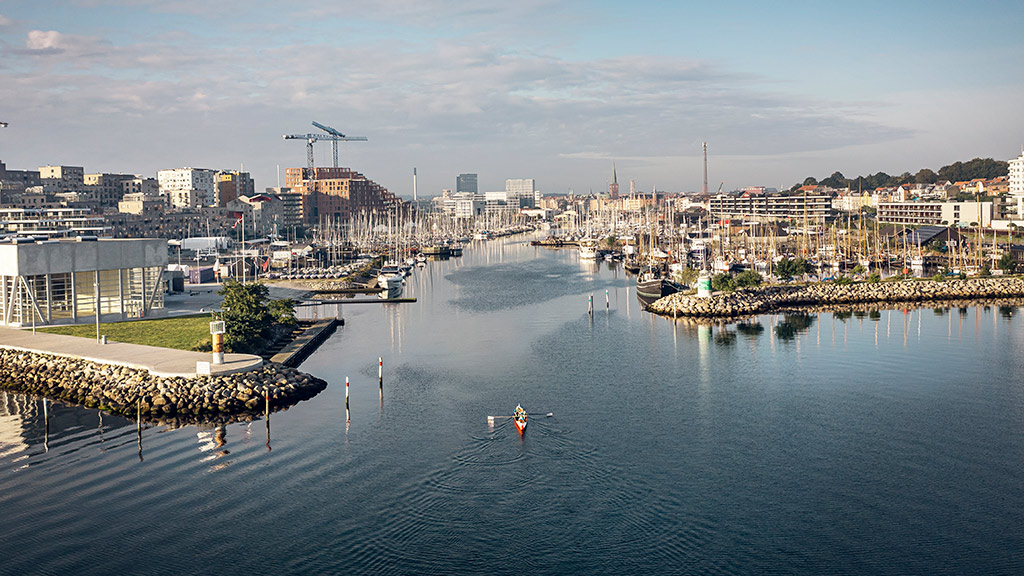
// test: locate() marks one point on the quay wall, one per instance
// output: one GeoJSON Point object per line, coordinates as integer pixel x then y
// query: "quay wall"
{"type": "Point", "coordinates": [130, 391]}
{"type": "Point", "coordinates": [765, 299]}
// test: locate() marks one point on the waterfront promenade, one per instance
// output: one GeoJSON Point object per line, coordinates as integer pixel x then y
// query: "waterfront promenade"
{"type": "Point", "coordinates": [162, 362]}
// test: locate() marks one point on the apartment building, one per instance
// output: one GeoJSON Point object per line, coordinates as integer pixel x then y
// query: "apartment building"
{"type": "Point", "coordinates": [187, 187]}
{"type": "Point", "coordinates": [936, 213]}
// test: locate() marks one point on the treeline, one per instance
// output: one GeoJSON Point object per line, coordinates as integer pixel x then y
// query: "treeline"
{"type": "Point", "coordinates": [956, 172]}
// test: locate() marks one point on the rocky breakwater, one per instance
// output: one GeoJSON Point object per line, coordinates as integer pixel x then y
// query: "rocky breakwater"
{"type": "Point", "coordinates": [760, 300]}
{"type": "Point", "coordinates": [131, 391]}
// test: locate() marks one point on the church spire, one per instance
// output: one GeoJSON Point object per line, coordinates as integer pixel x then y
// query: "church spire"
{"type": "Point", "coordinates": [613, 188]}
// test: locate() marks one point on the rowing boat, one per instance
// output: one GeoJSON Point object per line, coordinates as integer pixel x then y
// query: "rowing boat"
{"type": "Point", "coordinates": [519, 417]}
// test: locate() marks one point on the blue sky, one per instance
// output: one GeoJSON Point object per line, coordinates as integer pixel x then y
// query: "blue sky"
{"type": "Point", "coordinates": [551, 90]}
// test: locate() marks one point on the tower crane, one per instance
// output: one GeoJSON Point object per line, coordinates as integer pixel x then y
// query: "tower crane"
{"type": "Point", "coordinates": [314, 137]}
{"type": "Point", "coordinates": [338, 137]}
{"type": "Point", "coordinates": [720, 187]}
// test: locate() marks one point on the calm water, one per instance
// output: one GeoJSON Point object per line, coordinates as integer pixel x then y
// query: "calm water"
{"type": "Point", "coordinates": [884, 443]}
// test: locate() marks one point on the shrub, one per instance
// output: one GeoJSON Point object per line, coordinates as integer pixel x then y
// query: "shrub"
{"type": "Point", "coordinates": [874, 278]}
{"type": "Point", "coordinates": [748, 278]}
{"type": "Point", "coordinates": [842, 280]}
{"type": "Point", "coordinates": [723, 282]}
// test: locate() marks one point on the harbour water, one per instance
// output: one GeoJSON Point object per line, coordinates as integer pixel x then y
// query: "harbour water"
{"type": "Point", "coordinates": [875, 443]}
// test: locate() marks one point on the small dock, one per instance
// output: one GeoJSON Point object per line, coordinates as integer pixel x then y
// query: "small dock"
{"type": "Point", "coordinates": [306, 343]}
{"type": "Point", "coordinates": [318, 302]}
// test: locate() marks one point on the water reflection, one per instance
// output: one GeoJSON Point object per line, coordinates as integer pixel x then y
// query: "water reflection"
{"type": "Point", "coordinates": [725, 337]}
{"type": "Point", "coordinates": [792, 325]}
{"type": "Point", "coordinates": [751, 329]}
{"type": "Point", "coordinates": [212, 443]}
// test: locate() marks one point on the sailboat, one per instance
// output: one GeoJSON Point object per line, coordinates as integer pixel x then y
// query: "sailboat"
{"type": "Point", "coordinates": [652, 283]}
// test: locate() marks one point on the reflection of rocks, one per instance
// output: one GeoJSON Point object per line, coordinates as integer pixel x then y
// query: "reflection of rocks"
{"type": "Point", "coordinates": [823, 296]}
{"type": "Point", "coordinates": [123, 390]}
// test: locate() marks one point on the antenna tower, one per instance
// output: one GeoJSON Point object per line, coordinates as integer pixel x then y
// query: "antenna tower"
{"type": "Point", "coordinates": [704, 190]}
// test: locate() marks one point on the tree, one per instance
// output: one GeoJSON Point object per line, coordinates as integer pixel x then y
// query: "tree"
{"type": "Point", "coordinates": [247, 316]}
{"type": "Point", "coordinates": [810, 181]}
{"type": "Point", "coordinates": [836, 180]}
{"type": "Point", "coordinates": [926, 176]}
{"type": "Point", "coordinates": [1007, 263]}
{"type": "Point", "coordinates": [748, 278]}
{"type": "Point", "coordinates": [786, 268]}
{"type": "Point", "coordinates": [723, 282]}
{"type": "Point", "coordinates": [283, 312]}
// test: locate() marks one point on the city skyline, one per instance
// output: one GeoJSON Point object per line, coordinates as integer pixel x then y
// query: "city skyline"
{"type": "Point", "coordinates": [552, 91]}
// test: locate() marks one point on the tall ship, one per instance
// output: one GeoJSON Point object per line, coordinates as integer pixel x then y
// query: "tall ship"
{"type": "Point", "coordinates": [652, 284]}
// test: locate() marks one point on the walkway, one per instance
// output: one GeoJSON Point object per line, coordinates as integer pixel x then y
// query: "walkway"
{"type": "Point", "coordinates": [163, 362]}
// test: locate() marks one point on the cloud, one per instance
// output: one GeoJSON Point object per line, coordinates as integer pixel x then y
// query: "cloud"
{"type": "Point", "coordinates": [474, 96]}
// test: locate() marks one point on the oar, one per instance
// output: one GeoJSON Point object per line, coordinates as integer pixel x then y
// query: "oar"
{"type": "Point", "coordinates": [491, 419]}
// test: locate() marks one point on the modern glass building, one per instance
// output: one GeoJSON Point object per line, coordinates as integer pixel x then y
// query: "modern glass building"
{"type": "Point", "coordinates": [466, 183]}
{"type": "Point", "coordinates": [66, 281]}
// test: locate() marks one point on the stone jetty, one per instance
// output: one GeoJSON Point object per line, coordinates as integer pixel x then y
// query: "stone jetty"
{"type": "Point", "coordinates": [132, 391]}
{"type": "Point", "coordinates": [824, 295]}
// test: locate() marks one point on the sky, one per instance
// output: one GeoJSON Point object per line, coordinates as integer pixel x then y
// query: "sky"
{"type": "Point", "coordinates": [558, 91]}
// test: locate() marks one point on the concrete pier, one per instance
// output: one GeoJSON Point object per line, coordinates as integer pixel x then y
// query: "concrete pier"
{"type": "Point", "coordinates": [162, 362]}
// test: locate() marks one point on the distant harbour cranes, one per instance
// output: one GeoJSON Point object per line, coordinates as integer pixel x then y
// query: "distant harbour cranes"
{"type": "Point", "coordinates": [330, 134]}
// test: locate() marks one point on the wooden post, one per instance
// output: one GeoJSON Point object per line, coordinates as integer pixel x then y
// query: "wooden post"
{"type": "Point", "coordinates": [607, 302]}
{"type": "Point", "coordinates": [590, 305]}
{"type": "Point", "coordinates": [267, 395]}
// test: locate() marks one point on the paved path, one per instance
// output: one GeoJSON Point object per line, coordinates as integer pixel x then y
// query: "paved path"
{"type": "Point", "coordinates": [165, 362]}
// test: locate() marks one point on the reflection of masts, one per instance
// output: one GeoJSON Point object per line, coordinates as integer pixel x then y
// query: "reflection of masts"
{"type": "Point", "coordinates": [46, 427]}
{"type": "Point", "coordinates": [138, 425]}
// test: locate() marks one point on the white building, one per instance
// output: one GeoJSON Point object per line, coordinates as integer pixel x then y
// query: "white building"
{"type": "Point", "coordinates": [469, 205]}
{"type": "Point", "coordinates": [187, 187]}
{"type": "Point", "coordinates": [936, 213]}
{"type": "Point", "coordinates": [51, 222]}
{"type": "Point", "coordinates": [1015, 176]}
{"type": "Point", "coordinates": [67, 281]}
{"type": "Point", "coordinates": [522, 191]}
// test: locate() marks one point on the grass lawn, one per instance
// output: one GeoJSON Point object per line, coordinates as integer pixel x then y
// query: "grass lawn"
{"type": "Point", "coordinates": [180, 332]}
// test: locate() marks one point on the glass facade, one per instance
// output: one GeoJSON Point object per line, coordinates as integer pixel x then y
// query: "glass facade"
{"type": "Point", "coordinates": [69, 297]}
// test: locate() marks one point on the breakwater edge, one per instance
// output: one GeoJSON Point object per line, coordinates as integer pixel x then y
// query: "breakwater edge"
{"type": "Point", "coordinates": [131, 391]}
{"type": "Point", "coordinates": [828, 295]}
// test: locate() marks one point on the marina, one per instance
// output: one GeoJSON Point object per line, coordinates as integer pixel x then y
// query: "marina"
{"type": "Point", "coordinates": [799, 443]}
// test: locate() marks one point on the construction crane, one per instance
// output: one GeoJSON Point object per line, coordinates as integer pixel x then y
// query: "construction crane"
{"type": "Point", "coordinates": [311, 138]}
{"type": "Point", "coordinates": [338, 137]}
{"type": "Point", "coordinates": [720, 187]}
